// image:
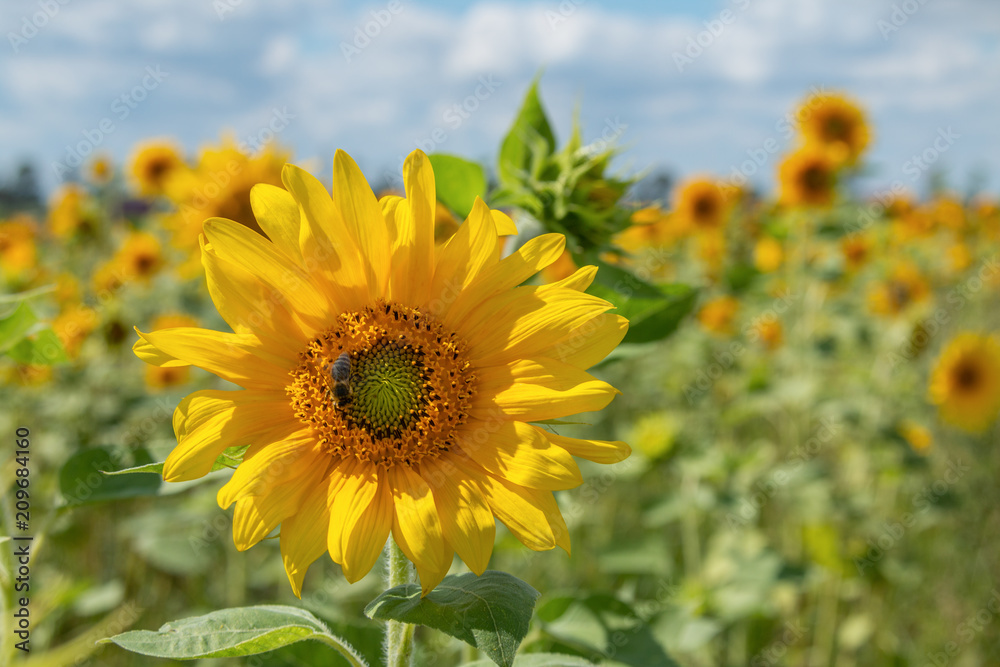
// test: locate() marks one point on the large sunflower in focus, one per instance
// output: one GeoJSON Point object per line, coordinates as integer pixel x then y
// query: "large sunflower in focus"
{"type": "Point", "coordinates": [389, 386]}
{"type": "Point", "coordinates": [834, 124]}
{"type": "Point", "coordinates": [965, 383]}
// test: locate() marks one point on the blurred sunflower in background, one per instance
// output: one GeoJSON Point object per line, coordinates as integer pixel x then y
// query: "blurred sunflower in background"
{"type": "Point", "coordinates": [965, 382]}
{"type": "Point", "coordinates": [835, 125]}
{"type": "Point", "coordinates": [218, 186]}
{"type": "Point", "coordinates": [718, 314]}
{"type": "Point", "coordinates": [394, 384]}
{"type": "Point", "coordinates": [904, 288]}
{"type": "Point", "coordinates": [700, 205]}
{"type": "Point", "coordinates": [18, 249]}
{"type": "Point", "coordinates": [71, 212]}
{"type": "Point", "coordinates": [152, 164]}
{"type": "Point", "coordinates": [808, 177]}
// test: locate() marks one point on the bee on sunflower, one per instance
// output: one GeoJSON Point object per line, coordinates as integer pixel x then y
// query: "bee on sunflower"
{"type": "Point", "coordinates": [965, 382]}
{"type": "Point", "coordinates": [453, 361]}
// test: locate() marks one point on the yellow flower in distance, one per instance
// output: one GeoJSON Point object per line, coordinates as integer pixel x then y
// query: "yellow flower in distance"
{"type": "Point", "coordinates": [904, 288]}
{"type": "Point", "coordinates": [18, 252]}
{"type": "Point", "coordinates": [807, 177]}
{"type": "Point", "coordinates": [717, 314]}
{"type": "Point", "coordinates": [153, 164]}
{"type": "Point", "coordinates": [768, 255]}
{"type": "Point", "coordinates": [69, 212]}
{"type": "Point", "coordinates": [916, 435]}
{"type": "Point", "coordinates": [834, 124]}
{"type": "Point", "coordinates": [856, 249]}
{"type": "Point", "coordinates": [700, 205]}
{"type": "Point", "coordinates": [100, 169]}
{"type": "Point", "coordinates": [965, 382]}
{"type": "Point", "coordinates": [73, 326]}
{"type": "Point", "coordinates": [389, 386]}
{"type": "Point", "coordinates": [219, 187]}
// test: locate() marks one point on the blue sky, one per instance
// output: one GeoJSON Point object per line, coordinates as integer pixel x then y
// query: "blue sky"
{"type": "Point", "coordinates": [191, 68]}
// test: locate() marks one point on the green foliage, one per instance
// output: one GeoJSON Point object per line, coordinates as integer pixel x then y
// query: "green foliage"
{"type": "Point", "coordinates": [458, 182]}
{"type": "Point", "coordinates": [491, 612]}
{"type": "Point", "coordinates": [24, 339]}
{"type": "Point", "coordinates": [233, 632]}
{"type": "Point", "coordinates": [82, 479]}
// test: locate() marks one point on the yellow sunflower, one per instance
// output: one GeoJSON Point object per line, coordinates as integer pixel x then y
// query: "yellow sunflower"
{"type": "Point", "coordinates": [153, 164]}
{"type": "Point", "coordinates": [768, 255]}
{"type": "Point", "coordinates": [700, 205]}
{"type": "Point", "coordinates": [916, 435]}
{"type": "Point", "coordinates": [808, 177]}
{"type": "Point", "coordinates": [100, 169]}
{"type": "Point", "coordinates": [965, 382]}
{"type": "Point", "coordinates": [856, 249]}
{"type": "Point", "coordinates": [717, 315]}
{"type": "Point", "coordinates": [218, 187]}
{"type": "Point", "coordinates": [73, 325]}
{"type": "Point", "coordinates": [18, 251]}
{"type": "Point", "coordinates": [70, 212]}
{"type": "Point", "coordinates": [389, 386]}
{"type": "Point", "coordinates": [834, 124]}
{"type": "Point", "coordinates": [904, 288]}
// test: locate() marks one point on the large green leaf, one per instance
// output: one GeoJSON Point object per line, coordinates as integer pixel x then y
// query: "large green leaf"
{"type": "Point", "coordinates": [233, 632]}
{"type": "Point", "coordinates": [491, 612]}
{"type": "Point", "coordinates": [458, 182]}
{"type": "Point", "coordinates": [650, 317]}
{"type": "Point", "coordinates": [82, 479]}
{"type": "Point", "coordinates": [530, 134]}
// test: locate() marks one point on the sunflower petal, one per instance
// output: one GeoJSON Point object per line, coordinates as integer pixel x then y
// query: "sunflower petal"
{"type": "Point", "coordinates": [366, 532]}
{"type": "Point", "coordinates": [515, 451]}
{"type": "Point", "coordinates": [265, 468]}
{"type": "Point", "coordinates": [589, 343]}
{"type": "Point", "coordinates": [352, 488]}
{"type": "Point", "coordinates": [538, 389]}
{"type": "Point", "coordinates": [277, 213]}
{"type": "Point", "coordinates": [472, 249]}
{"type": "Point", "coordinates": [466, 520]}
{"type": "Point", "coordinates": [304, 535]}
{"type": "Point", "coordinates": [598, 451]}
{"type": "Point", "coordinates": [417, 527]}
{"type": "Point", "coordinates": [361, 214]}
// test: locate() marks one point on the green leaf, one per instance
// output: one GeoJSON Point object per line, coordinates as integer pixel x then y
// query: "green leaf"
{"type": "Point", "coordinates": [14, 327]}
{"type": "Point", "coordinates": [230, 458]}
{"type": "Point", "coordinates": [491, 612]}
{"type": "Point", "coordinates": [82, 479]}
{"type": "Point", "coordinates": [530, 133]}
{"type": "Point", "coordinates": [42, 349]}
{"type": "Point", "coordinates": [650, 319]}
{"type": "Point", "coordinates": [233, 632]}
{"type": "Point", "coordinates": [27, 294]}
{"type": "Point", "coordinates": [458, 182]}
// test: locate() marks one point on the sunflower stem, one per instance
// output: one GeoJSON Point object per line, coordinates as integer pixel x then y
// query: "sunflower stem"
{"type": "Point", "coordinates": [398, 635]}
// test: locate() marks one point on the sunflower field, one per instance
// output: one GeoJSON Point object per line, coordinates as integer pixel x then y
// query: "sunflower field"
{"type": "Point", "coordinates": [534, 412]}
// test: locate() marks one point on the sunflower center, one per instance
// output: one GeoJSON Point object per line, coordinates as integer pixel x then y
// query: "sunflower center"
{"type": "Point", "coordinates": [814, 179]}
{"type": "Point", "coordinates": [836, 128]}
{"type": "Point", "coordinates": [966, 376]}
{"type": "Point", "coordinates": [705, 209]}
{"type": "Point", "coordinates": [385, 385]}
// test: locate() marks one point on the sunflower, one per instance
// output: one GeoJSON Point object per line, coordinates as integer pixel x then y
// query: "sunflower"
{"type": "Point", "coordinates": [769, 332]}
{"type": "Point", "coordinates": [717, 315]}
{"type": "Point", "coordinates": [70, 212]}
{"type": "Point", "coordinates": [100, 169]}
{"type": "Point", "coordinates": [219, 186]}
{"type": "Point", "coordinates": [153, 164]}
{"type": "Point", "coordinates": [165, 377]}
{"type": "Point", "coordinates": [856, 249]}
{"type": "Point", "coordinates": [916, 435]}
{"type": "Point", "coordinates": [965, 382]}
{"type": "Point", "coordinates": [700, 205]}
{"type": "Point", "coordinates": [834, 124]}
{"type": "Point", "coordinates": [139, 258]}
{"type": "Point", "coordinates": [904, 288]}
{"type": "Point", "coordinates": [18, 251]}
{"type": "Point", "coordinates": [808, 177]}
{"type": "Point", "coordinates": [73, 325]}
{"type": "Point", "coordinates": [389, 386]}
{"type": "Point", "coordinates": [768, 255]}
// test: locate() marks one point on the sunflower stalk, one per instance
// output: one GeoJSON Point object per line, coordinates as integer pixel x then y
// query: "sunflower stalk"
{"type": "Point", "coordinates": [398, 635]}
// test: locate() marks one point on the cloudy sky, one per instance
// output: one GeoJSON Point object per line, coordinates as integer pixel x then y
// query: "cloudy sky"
{"type": "Point", "coordinates": [689, 86]}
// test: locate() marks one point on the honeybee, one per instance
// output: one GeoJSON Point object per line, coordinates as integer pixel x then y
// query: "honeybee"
{"type": "Point", "coordinates": [340, 373]}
